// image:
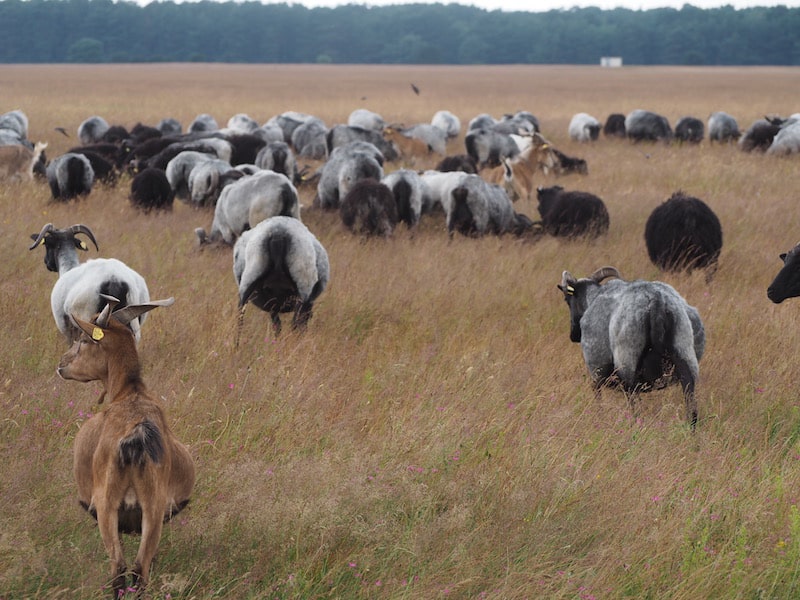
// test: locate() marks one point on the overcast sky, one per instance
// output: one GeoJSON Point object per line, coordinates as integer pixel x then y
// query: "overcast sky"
{"type": "Point", "coordinates": [544, 5]}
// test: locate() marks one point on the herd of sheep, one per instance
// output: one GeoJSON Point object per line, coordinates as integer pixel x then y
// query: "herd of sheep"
{"type": "Point", "coordinates": [636, 335]}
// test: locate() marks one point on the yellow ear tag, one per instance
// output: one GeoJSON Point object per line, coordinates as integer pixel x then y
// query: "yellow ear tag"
{"type": "Point", "coordinates": [84, 246]}
{"type": "Point", "coordinates": [570, 290]}
{"type": "Point", "coordinates": [97, 334]}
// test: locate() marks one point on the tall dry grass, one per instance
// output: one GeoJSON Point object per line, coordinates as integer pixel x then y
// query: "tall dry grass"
{"type": "Point", "coordinates": [433, 433]}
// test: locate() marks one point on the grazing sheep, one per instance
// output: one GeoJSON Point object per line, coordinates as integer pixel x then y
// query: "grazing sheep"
{"type": "Point", "coordinates": [170, 126]}
{"type": "Point", "coordinates": [310, 139]}
{"type": "Point", "coordinates": [458, 162]}
{"type": "Point", "coordinates": [760, 135]}
{"type": "Point", "coordinates": [366, 119]}
{"type": "Point", "coordinates": [644, 125]}
{"type": "Point", "coordinates": [447, 122]}
{"type": "Point", "coordinates": [488, 147]}
{"type": "Point", "coordinates": [207, 179]}
{"type": "Point", "coordinates": [369, 209]}
{"type": "Point", "coordinates": [17, 161]}
{"type": "Point", "coordinates": [408, 147]}
{"type": "Point", "coordinates": [787, 282]}
{"type": "Point", "coordinates": [569, 164]}
{"type": "Point", "coordinates": [244, 148]}
{"type": "Point", "coordinates": [520, 123]}
{"type": "Point", "coordinates": [242, 123]}
{"type": "Point", "coordinates": [481, 121]}
{"type": "Point", "coordinates": [340, 135]}
{"type": "Point", "coordinates": [639, 335]}
{"type": "Point", "coordinates": [787, 140]}
{"type": "Point", "coordinates": [690, 130]}
{"type": "Point", "coordinates": [150, 190]}
{"type": "Point", "coordinates": [432, 136]}
{"type": "Point", "coordinates": [478, 208]}
{"type": "Point", "coordinates": [104, 170]}
{"type": "Point", "coordinates": [722, 127]}
{"type": "Point", "coordinates": [132, 473]}
{"type": "Point", "coordinates": [583, 128]}
{"type": "Point", "coordinates": [346, 165]}
{"type": "Point", "coordinates": [571, 214]}
{"type": "Point", "coordinates": [69, 176]}
{"type": "Point", "coordinates": [437, 189]}
{"type": "Point", "coordinates": [683, 234]}
{"type": "Point", "coordinates": [248, 201]}
{"type": "Point", "coordinates": [615, 126]}
{"type": "Point", "coordinates": [287, 122]}
{"type": "Point", "coordinates": [408, 190]}
{"type": "Point", "coordinates": [278, 157]}
{"type": "Point", "coordinates": [92, 130]}
{"type": "Point", "coordinates": [79, 286]}
{"type": "Point", "coordinates": [15, 121]}
{"type": "Point", "coordinates": [280, 266]}
{"type": "Point", "coordinates": [203, 123]}
{"type": "Point", "coordinates": [180, 167]}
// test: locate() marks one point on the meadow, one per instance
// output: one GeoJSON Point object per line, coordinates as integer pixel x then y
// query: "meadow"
{"type": "Point", "coordinates": [433, 433]}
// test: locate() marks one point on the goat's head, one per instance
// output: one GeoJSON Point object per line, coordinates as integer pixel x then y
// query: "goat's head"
{"type": "Point", "coordinates": [787, 282]}
{"type": "Point", "coordinates": [576, 295]}
{"type": "Point", "coordinates": [104, 336]}
{"type": "Point", "coordinates": [56, 241]}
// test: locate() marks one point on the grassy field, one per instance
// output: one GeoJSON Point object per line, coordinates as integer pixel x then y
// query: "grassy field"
{"type": "Point", "coordinates": [433, 434]}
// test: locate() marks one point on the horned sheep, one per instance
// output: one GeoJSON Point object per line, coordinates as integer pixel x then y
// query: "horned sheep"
{"type": "Point", "coordinates": [639, 335]}
{"type": "Point", "coordinates": [280, 266]}
{"type": "Point", "coordinates": [132, 473]}
{"type": "Point", "coordinates": [80, 285]}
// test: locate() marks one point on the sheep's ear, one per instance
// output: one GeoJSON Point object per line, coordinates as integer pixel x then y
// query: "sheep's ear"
{"type": "Point", "coordinates": [783, 256]}
{"type": "Point", "coordinates": [127, 314]}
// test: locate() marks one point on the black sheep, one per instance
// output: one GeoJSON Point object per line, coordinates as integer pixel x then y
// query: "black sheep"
{"type": "Point", "coordinates": [760, 135]}
{"type": "Point", "coordinates": [458, 162]}
{"type": "Point", "coordinates": [690, 129]}
{"type": "Point", "coordinates": [683, 234]}
{"type": "Point", "coordinates": [644, 125]}
{"type": "Point", "coordinates": [572, 214]}
{"type": "Point", "coordinates": [787, 282]}
{"type": "Point", "coordinates": [369, 208]}
{"type": "Point", "coordinates": [615, 126]}
{"type": "Point", "coordinates": [150, 190]}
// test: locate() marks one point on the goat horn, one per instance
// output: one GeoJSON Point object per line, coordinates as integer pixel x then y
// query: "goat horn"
{"type": "Point", "coordinates": [76, 229]}
{"type": "Point", "coordinates": [604, 272]}
{"type": "Point", "coordinates": [45, 230]}
{"type": "Point", "coordinates": [126, 314]}
{"type": "Point", "coordinates": [567, 279]}
{"type": "Point", "coordinates": [102, 318]}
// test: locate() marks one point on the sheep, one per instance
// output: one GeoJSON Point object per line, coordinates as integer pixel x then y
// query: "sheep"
{"type": "Point", "coordinates": [478, 207]}
{"type": "Point", "coordinates": [203, 123]}
{"type": "Point", "coordinates": [309, 139]}
{"type": "Point", "coordinates": [169, 126]}
{"type": "Point", "coordinates": [583, 128]}
{"type": "Point", "coordinates": [15, 121]}
{"type": "Point", "coordinates": [79, 285]}
{"type": "Point", "coordinates": [437, 188]}
{"type": "Point", "coordinates": [690, 129]}
{"type": "Point", "coordinates": [447, 122]}
{"type": "Point", "coordinates": [150, 190]}
{"type": "Point", "coordinates": [481, 121]}
{"type": "Point", "coordinates": [787, 140]}
{"type": "Point", "coordinates": [207, 179]}
{"type": "Point", "coordinates": [366, 119]}
{"type": "Point", "coordinates": [408, 190]}
{"type": "Point", "coordinates": [571, 214]}
{"type": "Point", "coordinates": [568, 164]}
{"type": "Point", "coordinates": [248, 201]}
{"type": "Point", "coordinates": [242, 123]}
{"type": "Point", "coordinates": [615, 126]}
{"type": "Point", "coordinates": [180, 167]}
{"type": "Point", "coordinates": [340, 135]}
{"type": "Point", "coordinates": [458, 162]}
{"type": "Point", "coordinates": [521, 123]}
{"type": "Point", "coordinates": [760, 135]}
{"type": "Point", "coordinates": [346, 165]}
{"type": "Point", "coordinates": [104, 170]}
{"type": "Point", "coordinates": [722, 127]}
{"type": "Point", "coordinates": [17, 161]}
{"type": "Point", "coordinates": [683, 234]}
{"type": "Point", "coordinates": [639, 335]}
{"type": "Point", "coordinates": [132, 473]}
{"type": "Point", "coordinates": [92, 130]}
{"type": "Point", "coordinates": [786, 283]}
{"type": "Point", "coordinates": [69, 176]}
{"type": "Point", "coordinates": [280, 266]}
{"type": "Point", "coordinates": [278, 157]}
{"type": "Point", "coordinates": [218, 147]}
{"type": "Point", "coordinates": [487, 147]}
{"type": "Point", "coordinates": [369, 209]}
{"type": "Point", "coordinates": [644, 125]}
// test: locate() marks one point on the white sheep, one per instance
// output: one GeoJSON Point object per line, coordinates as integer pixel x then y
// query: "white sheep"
{"type": "Point", "coordinates": [80, 285]}
{"type": "Point", "coordinates": [787, 140]}
{"type": "Point", "coordinates": [180, 167]}
{"type": "Point", "coordinates": [366, 119]}
{"type": "Point", "coordinates": [280, 266]}
{"type": "Point", "coordinates": [207, 179]}
{"type": "Point", "coordinates": [447, 122]}
{"type": "Point", "coordinates": [203, 123]}
{"type": "Point", "coordinates": [583, 127]}
{"type": "Point", "coordinates": [246, 202]}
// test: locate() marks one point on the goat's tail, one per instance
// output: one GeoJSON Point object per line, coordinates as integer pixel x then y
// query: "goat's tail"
{"type": "Point", "coordinates": [145, 441]}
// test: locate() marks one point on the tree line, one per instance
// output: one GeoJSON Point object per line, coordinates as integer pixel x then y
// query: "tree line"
{"type": "Point", "coordinates": [103, 31]}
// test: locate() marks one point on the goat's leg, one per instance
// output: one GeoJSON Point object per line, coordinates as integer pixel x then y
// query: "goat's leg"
{"type": "Point", "coordinates": [108, 523]}
{"type": "Point", "coordinates": [152, 522]}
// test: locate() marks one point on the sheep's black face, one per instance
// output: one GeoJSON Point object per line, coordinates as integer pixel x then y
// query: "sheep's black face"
{"type": "Point", "coordinates": [575, 297]}
{"type": "Point", "coordinates": [787, 282]}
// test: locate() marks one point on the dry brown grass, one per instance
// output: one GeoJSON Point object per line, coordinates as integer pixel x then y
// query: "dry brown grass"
{"type": "Point", "coordinates": [433, 433]}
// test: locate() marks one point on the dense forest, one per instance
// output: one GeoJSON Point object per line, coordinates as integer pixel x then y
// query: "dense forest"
{"type": "Point", "coordinates": [102, 31]}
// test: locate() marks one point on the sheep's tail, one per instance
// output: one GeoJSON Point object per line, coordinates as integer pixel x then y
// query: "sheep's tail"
{"type": "Point", "coordinates": [288, 201]}
{"type": "Point", "coordinates": [143, 443]}
{"type": "Point", "coordinates": [402, 196]}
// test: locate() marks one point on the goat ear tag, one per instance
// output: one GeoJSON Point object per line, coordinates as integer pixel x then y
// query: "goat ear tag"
{"type": "Point", "coordinates": [570, 290]}
{"type": "Point", "coordinates": [97, 334]}
{"type": "Point", "coordinates": [84, 246]}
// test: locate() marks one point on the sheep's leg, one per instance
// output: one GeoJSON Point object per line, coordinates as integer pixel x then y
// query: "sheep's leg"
{"type": "Point", "coordinates": [302, 315]}
{"type": "Point", "coordinates": [276, 321]}
{"type": "Point", "coordinates": [152, 523]}
{"type": "Point", "coordinates": [108, 523]}
{"type": "Point", "coordinates": [686, 377]}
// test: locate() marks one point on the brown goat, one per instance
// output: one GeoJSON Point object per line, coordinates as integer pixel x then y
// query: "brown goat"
{"type": "Point", "coordinates": [516, 174]}
{"type": "Point", "coordinates": [17, 161]}
{"type": "Point", "coordinates": [133, 475]}
{"type": "Point", "coordinates": [408, 147]}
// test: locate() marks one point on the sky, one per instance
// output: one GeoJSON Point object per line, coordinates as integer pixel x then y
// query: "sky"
{"type": "Point", "coordinates": [544, 5]}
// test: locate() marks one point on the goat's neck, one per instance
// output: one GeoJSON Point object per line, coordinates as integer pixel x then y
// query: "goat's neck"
{"type": "Point", "coordinates": [66, 259]}
{"type": "Point", "coordinates": [124, 374]}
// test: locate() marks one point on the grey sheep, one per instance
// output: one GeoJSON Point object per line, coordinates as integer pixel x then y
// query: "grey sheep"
{"type": "Point", "coordinates": [639, 335]}
{"type": "Point", "coordinates": [280, 266]}
{"type": "Point", "coordinates": [722, 127]}
{"type": "Point", "coordinates": [787, 140]}
{"type": "Point", "coordinates": [366, 119]}
{"type": "Point", "coordinates": [644, 125]}
{"type": "Point", "coordinates": [583, 127]}
{"type": "Point", "coordinates": [203, 123]}
{"type": "Point", "coordinates": [478, 208]}
{"type": "Point", "coordinates": [278, 157]}
{"type": "Point", "coordinates": [407, 188]}
{"type": "Point", "coordinates": [69, 176]}
{"type": "Point", "coordinates": [346, 165]}
{"type": "Point", "coordinates": [92, 130]}
{"type": "Point", "coordinates": [447, 122]}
